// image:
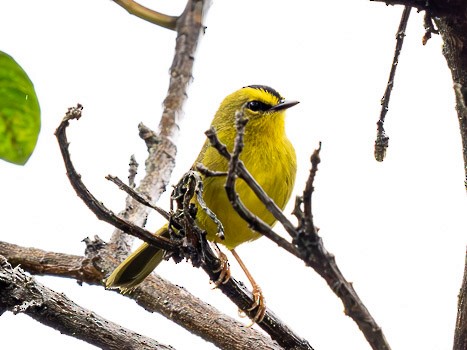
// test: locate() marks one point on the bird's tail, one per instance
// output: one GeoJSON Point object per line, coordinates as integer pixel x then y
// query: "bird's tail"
{"type": "Point", "coordinates": [137, 266]}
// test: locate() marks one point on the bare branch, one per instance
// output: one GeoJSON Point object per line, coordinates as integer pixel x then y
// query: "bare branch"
{"type": "Point", "coordinates": [154, 295]}
{"type": "Point", "coordinates": [382, 140]}
{"type": "Point", "coordinates": [41, 262]}
{"type": "Point", "coordinates": [312, 249]}
{"type": "Point", "coordinates": [208, 172]}
{"type": "Point", "coordinates": [162, 20]}
{"type": "Point", "coordinates": [97, 207]}
{"type": "Point", "coordinates": [20, 293]}
{"type": "Point", "coordinates": [161, 147]}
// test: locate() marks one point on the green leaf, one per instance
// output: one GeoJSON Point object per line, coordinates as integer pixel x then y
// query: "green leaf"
{"type": "Point", "coordinates": [19, 112]}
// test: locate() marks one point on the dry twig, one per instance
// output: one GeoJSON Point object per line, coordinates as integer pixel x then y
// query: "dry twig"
{"type": "Point", "coordinates": [382, 140]}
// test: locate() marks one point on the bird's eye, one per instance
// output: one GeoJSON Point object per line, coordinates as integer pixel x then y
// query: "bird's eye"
{"type": "Point", "coordinates": [256, 106]}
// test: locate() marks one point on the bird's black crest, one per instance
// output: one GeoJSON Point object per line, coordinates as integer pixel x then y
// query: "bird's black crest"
{"type": "Point", "coordinates": [267, 89]}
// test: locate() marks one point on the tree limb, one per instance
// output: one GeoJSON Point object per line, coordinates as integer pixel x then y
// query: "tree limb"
{"type": "Point", "coordinates": [154, 295]}
{"type": "Point", "coordinates": [20, 293]}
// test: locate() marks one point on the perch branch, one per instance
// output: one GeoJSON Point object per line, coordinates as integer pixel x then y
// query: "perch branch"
{"type": "Point", "coordinates": [154, 295]}
{"type": "Point", "coordinates": [238, 293]}
{"type": "Point", "coordinates": [160, 19]}
{"type": "Point", "coordinates": [382, 140]}
{"type": "Point", "coordinates": [20, 293]}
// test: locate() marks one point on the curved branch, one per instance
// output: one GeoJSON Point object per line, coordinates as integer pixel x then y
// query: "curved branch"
{"type": "Point", "coordinates": [162, 20]}
{"type": "Point", "coordinates": [97, 207]}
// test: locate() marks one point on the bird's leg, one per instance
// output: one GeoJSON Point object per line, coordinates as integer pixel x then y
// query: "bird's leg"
{"type": "Point", "coordinates": [224, 268]}
{"type": "Point", "coordinates": [258, 299]}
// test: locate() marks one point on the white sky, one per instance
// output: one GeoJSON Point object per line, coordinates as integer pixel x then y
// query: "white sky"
{"type": "Point", "coordinates": [397, 228]}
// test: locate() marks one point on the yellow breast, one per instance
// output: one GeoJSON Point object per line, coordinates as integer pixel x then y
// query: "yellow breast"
{"type": "Point", "coordinates": [271, 160]}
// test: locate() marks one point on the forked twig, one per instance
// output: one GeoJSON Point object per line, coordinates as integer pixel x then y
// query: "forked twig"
{"type": "Point", "coordinates": [307, 244]}
{"type": "Point", "coordinates": [97, 207]}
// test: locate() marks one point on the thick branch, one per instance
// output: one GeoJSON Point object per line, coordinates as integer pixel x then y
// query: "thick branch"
{"type": "Point", "coordinates": [454, 33]}
{"type": "Point", "coordinates": [20, 293]}
{"type": "Point", "coordinates": [437, 8]}
{"type": "Point", "coordinates": [154, 295]}
{"type": "Point", "coordinates": [161, 147]}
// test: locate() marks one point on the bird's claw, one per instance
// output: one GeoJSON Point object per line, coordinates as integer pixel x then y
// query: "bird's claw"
{"type": "Point", "coordinates": [259, 303]}
{"type": "Point", "coordinates": [224, 269]}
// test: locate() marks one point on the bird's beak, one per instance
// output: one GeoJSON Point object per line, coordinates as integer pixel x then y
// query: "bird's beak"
{"type": "Point", "coordinates": [283, 105]}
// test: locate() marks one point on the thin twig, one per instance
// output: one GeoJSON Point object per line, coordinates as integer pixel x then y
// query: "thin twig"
{"type": "Point", "coordinates": [382, 140]}
{"type": "Point", "coordinates": [162, 20]}
{"type": "Point", "coordinates": [136, 196]}
{"type": "Point", "coordinates": [208, 172]}
{"type": "Point", "coordinates": [309, 188]}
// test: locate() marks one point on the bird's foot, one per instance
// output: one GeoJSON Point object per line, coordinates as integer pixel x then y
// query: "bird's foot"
{"type": "Point", "coordinates": [224, 269]}
{"type": "Point", "coordinates": [259, 303]}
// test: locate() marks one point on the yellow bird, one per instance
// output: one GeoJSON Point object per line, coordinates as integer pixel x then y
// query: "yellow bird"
{"type": "Point", "coordinates": [267, 154]}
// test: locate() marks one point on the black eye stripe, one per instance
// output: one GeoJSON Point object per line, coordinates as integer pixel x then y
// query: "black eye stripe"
{"type": "Point", "coordinates": [256, 106]}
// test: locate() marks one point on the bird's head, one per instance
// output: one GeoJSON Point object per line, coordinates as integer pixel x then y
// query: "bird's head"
{"type": "Point", "coordinates": [261, 105]}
